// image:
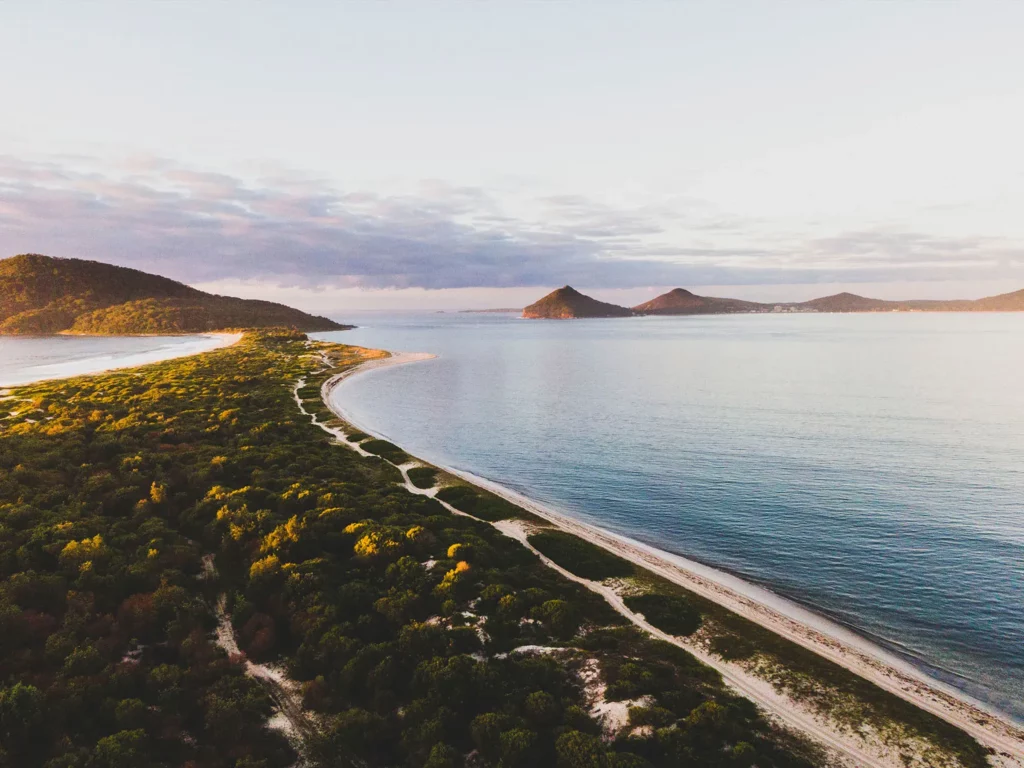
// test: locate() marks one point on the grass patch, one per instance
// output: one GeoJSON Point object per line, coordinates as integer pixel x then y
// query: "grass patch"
{"type": "Point", "coordinates": [386, 450]}
{"type": "Point", "coordinates": [423, 477]}
{"type": "Point", "coordinates": [480, 503]}
{"type": "Point", "coordinates": [581, 557]}
{"type": "Point", "coordinates": [669, 613]}
{"type": "Point", "coordinates": [357, 437]}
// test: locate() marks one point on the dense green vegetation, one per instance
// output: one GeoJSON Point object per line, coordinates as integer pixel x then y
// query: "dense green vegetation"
{"type": "Point", "coordinates": [42, 295]}
{"type": "Point", "coordinates": [836, 692]}
{"type": "Point", "coordinates": [581, 557]}
{"type": "Point", "coordinates": [674, 614]}
{"type": "Point", "coordinates": [481, 503]}
{"type": "Point", "coordinates": [386, 450]}
{"type": "Point", "coordinates": [397, 618]}
{"type": "Point", "coordinates": [422, 477]}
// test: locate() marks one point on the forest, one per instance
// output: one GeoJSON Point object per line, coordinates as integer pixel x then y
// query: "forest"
{"type": "Point", "coordinates": [42, 295]}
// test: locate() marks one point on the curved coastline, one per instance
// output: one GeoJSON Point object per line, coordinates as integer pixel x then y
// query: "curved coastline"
{"type": "Point", "coordinates": [778, 614]}
{"type": "Point", "coordinates": [92, 366]}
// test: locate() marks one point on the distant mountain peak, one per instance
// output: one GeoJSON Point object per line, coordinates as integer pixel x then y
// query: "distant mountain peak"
{"type": "Point", "coordinates": [567, 303]}
{"type": "Point", "coordinates": [846, 295]}
{"type": "Point", "coordinates": [680, 301]}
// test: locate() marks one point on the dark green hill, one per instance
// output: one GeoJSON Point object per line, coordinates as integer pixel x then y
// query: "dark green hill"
{"type": "Point", "coordinates": [567, 302]}
{"type": "Point", "coordinates": [41, 295]}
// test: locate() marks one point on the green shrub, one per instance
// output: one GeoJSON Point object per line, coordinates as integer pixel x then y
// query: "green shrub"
{"type": "Point", "coordinates": [386, 450]}
{"type": "Point", "coordinates": [669, 613]}
{"type": "Point", "coordinates": [580, 557]}
{"type": "Point", "coordinates": [479, 503]}
{"type": "Point", "coordinates": [423, 477]}
{"type": "Point", "coordinates": [732, 647]}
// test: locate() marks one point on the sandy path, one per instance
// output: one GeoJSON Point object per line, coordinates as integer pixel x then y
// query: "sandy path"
{"type": "Point", "coordinates": [988, 728]}
{"type": "Point", "coordinates": [892, 675]}
{"type": "Point", "coordinates": [291, 719]}
{"type": "Point", "coordinates": [781, 708]}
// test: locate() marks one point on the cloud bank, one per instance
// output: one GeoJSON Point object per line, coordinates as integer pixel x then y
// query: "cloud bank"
{"type": "Point", "coordinates": [292, 230]}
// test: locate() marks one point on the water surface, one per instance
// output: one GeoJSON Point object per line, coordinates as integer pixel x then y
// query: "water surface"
{"type": "Point", "coordinates": [870, 467]}
{"type": "Point", "coordinates": [25, 359]}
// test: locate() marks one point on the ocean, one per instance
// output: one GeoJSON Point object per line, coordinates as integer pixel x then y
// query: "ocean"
{"type": "Point", "coordinates": [868, 467]}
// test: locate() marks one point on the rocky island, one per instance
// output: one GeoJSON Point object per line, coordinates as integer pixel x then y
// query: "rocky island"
{"type": "Point", "coordinates": [567, 303]}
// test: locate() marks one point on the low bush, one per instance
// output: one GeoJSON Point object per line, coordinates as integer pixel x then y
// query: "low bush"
{"type": "Point", "coordinates": [386, 450]}
{"type": "Point", "coordinates": [423, 477]}
{"type": "Point", "coordinates": [581, 557]}
{"type": "Point", "coordinates": [669, 613]}
{"type": "Point", "coordinates": [479, 503]}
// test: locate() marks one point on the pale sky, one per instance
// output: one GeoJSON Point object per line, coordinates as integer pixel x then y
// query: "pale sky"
{"type": "Point", "coordinates": [373, 154]}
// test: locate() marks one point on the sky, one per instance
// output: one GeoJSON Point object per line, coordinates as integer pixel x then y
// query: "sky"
{"type": "Point", "coordinates": [464, 155]}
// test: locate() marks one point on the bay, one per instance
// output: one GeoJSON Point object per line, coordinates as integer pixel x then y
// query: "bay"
{"type": "Point", "coordinates": [869, 467]}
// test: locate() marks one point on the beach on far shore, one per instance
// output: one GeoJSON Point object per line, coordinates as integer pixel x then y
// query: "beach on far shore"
{"type": "Point", "coordinates": [184, 346]}
{"type": "Point", "coordinates": [777, 614]}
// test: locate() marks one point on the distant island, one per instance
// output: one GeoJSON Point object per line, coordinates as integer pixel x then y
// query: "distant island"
{"type": "Point", "coordinates": [567, 303]}
{"type": "Point", "coordinates": [43, 295]}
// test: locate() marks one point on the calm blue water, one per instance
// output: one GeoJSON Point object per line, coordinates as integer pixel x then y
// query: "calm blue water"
{"type": "Point", "coordinates": [870, 467]}
{"type": "Point", "coordinates": [26, 359]}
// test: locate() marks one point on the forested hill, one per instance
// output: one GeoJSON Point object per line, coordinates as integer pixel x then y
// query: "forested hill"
{"type": "Point", "coordinates": [41, 295]}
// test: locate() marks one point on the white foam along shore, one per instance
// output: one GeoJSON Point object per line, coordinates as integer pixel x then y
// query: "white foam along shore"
{"type": "Point", "coordinates": [773, 612]}
{"type": "Point", "coordinates": [106, 363]}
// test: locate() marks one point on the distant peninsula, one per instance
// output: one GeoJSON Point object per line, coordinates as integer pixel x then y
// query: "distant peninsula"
{"type": "Point", "coordinates": [43, 295]}
{"type": "Point", "coordinates": [568, 303]}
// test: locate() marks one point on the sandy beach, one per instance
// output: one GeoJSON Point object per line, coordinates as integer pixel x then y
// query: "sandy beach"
{"type": "Point", "coordinates": [105, 364]}
{"type": "Point", "coordinates": [776, 614]}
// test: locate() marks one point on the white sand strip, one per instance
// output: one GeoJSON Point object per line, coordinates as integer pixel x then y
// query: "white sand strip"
{"type": "Point", "coordinates": [91, 366]}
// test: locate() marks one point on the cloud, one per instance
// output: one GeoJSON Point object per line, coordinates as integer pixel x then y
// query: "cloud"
{"type": "Point", "coordinates": [293, 230]}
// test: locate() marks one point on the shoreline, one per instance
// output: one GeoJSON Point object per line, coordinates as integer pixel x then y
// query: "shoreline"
{"type": "Point", "coordinates": [775, 613]}
{"type": "Point", "coordinates": [218, 340]}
